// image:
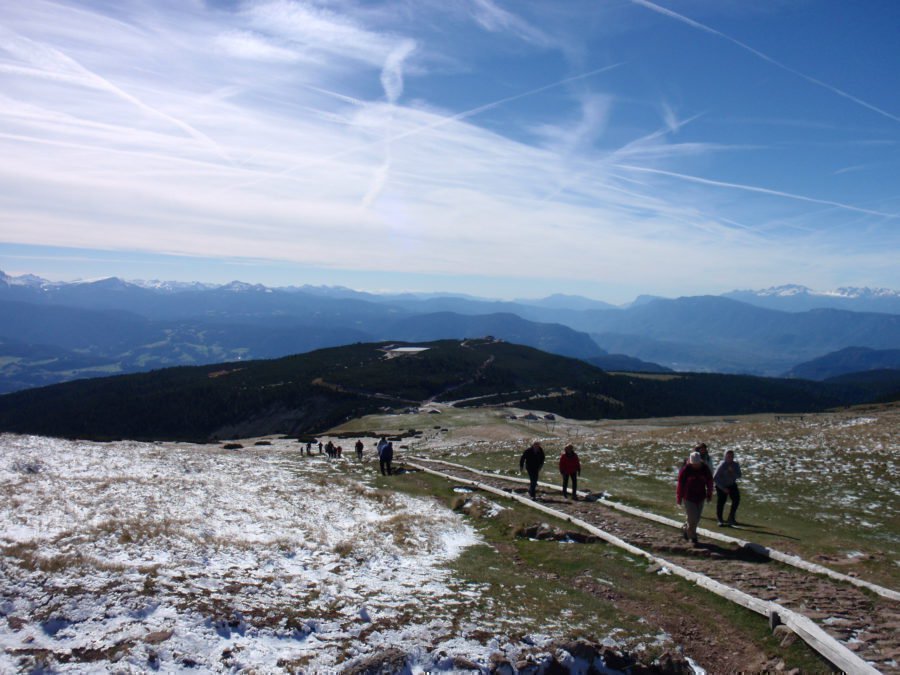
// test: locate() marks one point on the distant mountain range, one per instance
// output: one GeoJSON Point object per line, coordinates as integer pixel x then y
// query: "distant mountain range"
{"type": "Point", "coordinates": [793, 298]}
{"type": "Point", "coordinates": [51, 332]}
{"type": "Point", "coordinates": [312, 392]}
{"type": "Point", "coordinates": [788, 297]}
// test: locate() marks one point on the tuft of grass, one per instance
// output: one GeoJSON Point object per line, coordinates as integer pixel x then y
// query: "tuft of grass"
{"type": "Point", "coordinates": [343, 548]}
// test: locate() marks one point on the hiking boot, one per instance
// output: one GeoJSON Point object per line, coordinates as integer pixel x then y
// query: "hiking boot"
{"type": "Point", "coordinates": [574, 497]}
{"type": "Point", "coordinates": [721, 523]}
{"type": "Point", "coordinates": [732, 522]}
{"type": "Point", "coordinates": [684, 532]}
{"type": "Point", "coordinates": [694, 542]}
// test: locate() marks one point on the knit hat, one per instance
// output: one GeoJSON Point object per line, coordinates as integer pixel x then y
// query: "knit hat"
{"type": "Point", "coordinates": [696, 458]}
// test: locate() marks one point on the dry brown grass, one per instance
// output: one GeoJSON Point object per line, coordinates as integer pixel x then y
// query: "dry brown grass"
{"type": "Point", "coordinates": [343, 548]}
{"type": "Point", "coordinates": [139, 530]}
{"type": "Point", "coordinates": [405, 530]}
{"type": "Point", "coordinates": [473, 506]}
{"type": "Point", "coordinates": [28, 557]}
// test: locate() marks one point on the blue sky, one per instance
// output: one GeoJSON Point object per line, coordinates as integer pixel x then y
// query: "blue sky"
{"type": "Point", "coordinates": [505, 149]}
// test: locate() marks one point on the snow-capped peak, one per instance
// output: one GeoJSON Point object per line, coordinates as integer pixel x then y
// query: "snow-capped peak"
{"type": "Point", "coordinates": [864, 292]}
{"type": "Point", "coordinates": [784, 290]}
{"type": "Point", "coordinates": [788, 290]}
{"type": "Point", "coordinates": [243, 287]}
{"type": "Point", "coordinates": [172, 286]}
{"type": "Point", "coordinates": [23, 280]}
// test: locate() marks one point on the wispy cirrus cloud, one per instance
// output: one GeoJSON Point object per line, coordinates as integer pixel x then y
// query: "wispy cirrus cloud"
{"type": "Point", "coordinates": [490, 16]}
{"type": "Point", "coordinates": [314, 29]}
{"type": "Point", "coordinates": [248, 45]}
{"type": "Point", "coordinates": [652, 6]}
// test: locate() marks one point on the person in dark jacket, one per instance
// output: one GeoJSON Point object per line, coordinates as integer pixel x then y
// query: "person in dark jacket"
{"type": "Point", "coordinates": [359, 450]}
{"type": "Point", "coordinates": [532, 460]}
{"type": "Point", "coordinates": [695, 483]}
{"type": "Point", "coordinates": [385, 457]}
{"type": "Point", "coordinates": [570, 468]}
{"type": "Point", "coordinates": [704, 455]}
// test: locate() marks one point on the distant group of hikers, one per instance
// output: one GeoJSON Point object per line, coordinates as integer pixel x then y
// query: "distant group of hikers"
{"type": "Point", "coordinates": [696, 480]}
{"type": "Point", "coordinates": [383, 447]}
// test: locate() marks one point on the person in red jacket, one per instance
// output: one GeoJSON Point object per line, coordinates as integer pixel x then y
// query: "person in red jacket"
{"type": "Point", "coordinates": [570, 467]}
{"type": "Point", "coordinates": [695, 483]}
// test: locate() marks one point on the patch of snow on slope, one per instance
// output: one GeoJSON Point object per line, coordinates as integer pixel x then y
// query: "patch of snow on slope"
{"type": "Point", "coordinates": [168, 557]}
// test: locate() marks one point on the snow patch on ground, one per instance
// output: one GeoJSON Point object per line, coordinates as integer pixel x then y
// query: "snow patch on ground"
{"type": "Point", "coordinates": [175, 556]}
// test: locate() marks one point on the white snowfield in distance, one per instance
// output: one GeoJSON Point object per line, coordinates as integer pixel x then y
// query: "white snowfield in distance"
{"type": "Point", "coordinates": [175, 556]}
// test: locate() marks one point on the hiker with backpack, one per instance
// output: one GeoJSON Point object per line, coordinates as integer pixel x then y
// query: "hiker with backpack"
{"type": "Point", "coordinates": [695, 483]}
{"type": "Point", "coordinates": [532, 460]}
{"type": "Point", "coordinates": [570, 468]}
{"type": "Point", "coordinates": [725, 478]}
{"type": "Point", "coordinates": [385, 457]}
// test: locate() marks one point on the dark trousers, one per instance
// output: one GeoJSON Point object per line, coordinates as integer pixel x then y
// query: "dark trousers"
{"type": "Point", "coordinates": [533, 480]}
{"type": "Point", "coordinates": [385, 467]}
{"type": "Point", "coordinates": [574, 478]}
{"type": "Point", "coordinates": [722, 497]}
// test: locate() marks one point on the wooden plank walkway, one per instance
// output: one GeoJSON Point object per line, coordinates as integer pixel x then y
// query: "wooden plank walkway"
{"type": "Point", "coordinates": [792, 591]}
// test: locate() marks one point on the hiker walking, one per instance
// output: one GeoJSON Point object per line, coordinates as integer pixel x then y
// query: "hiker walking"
{"type": "Point", "coordinates": [329, 449]}
{"type": "Point", "coordinates": [725, 478]}
{"type": "Point", "coordinates": [570, 467]}
{"type": "Point", "coordinates": [705, 456]}
{"type": "Point", "coordinates": [532, 460]}
{"type": "Point", "coordinates": [359, 449]}
{"type": "Point", "coordinates": [308, 448]}
{"type": "Point", "coordinates": [320, 447]}
{"type": "Point", "coordinates": [695, 483]}
{"type": "Point", "coordinates": [385, 457]}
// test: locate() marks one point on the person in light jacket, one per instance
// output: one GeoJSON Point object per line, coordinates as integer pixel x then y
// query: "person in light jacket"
{"type": "Point", "coordinates": [725, 478]}
{"type": "Point", "coordinates": [695, 483]}
{"type": "Point", "coordinates": [570, 468]}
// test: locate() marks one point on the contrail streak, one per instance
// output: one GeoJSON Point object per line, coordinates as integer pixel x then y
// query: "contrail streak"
{"type": "Point", "coordinates": [765, 57]}
{"type": "Point", "coordinates": [53, 63]}
{"type": "Point", "coordinates": [439, 123]}
{"type": "Point", "coordinates": [753, 188]}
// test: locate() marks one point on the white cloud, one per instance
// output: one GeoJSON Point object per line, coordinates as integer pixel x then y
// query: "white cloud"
{"type": "Point", "coordinates": [248, 45]}
{"type": "Point", "coordinates": [321, 30]}
{"type": "Point", "coordinates": [392, 71]}
{"type": "Point", "coordinates": [495, 19]}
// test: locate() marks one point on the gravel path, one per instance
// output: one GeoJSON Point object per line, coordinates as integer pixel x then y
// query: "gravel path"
{"type": "Point", "coordinates": [865, 623]}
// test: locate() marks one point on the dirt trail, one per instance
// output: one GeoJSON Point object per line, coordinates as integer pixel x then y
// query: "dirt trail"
{"type": "Point", "coordinates": [866, 624]}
